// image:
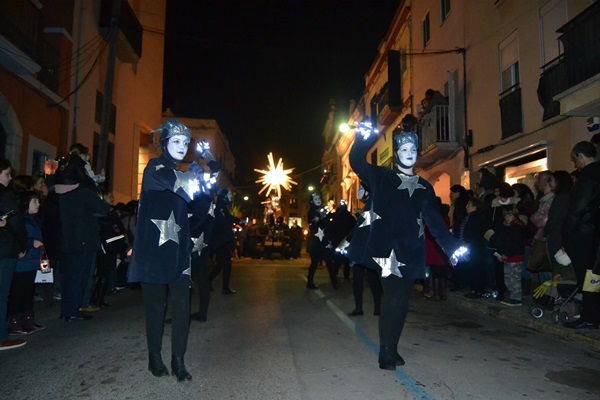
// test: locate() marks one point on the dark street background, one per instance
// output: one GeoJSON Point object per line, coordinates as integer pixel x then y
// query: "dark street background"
{"type": "Point", "coordinates": [275, 339]}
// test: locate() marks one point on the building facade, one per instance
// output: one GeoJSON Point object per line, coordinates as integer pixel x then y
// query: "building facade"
{"type": "Point", "coordinates": [58, 59]}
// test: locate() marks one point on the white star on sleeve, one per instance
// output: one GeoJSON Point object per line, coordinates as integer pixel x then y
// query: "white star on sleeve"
{"type": "Point", "coordinates": [411, 183]}
{"type": "Point", "coordinates": [320, 234]}
{"type": "Point", "coordinates": [421, 227]}
{"type": "Point", "coordinates": [168, 229]}
{"type": "Point", "coordinates": [159, 166]}
{"type": "Point", "coordinates": [199, 244]}
{"type": "Point", "coordinates": [389, 266]}
{"type": "Point", "coordinates": [369, 217]}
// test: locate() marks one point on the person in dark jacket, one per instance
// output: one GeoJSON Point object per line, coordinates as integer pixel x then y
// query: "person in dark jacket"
{"type": "Point", "coordinates": [222, 240]}
{"type": "Point", "coordinates": [356, 253]}
{"type": "Point", "coordinates": [581, 231]}
{"type": "Point", "coordinates": [405, 202]}
{"type": "Point", "coordinates": [315, 241]}
{"type": "Point", "coordinates": [13, 245]}
{"type": "Point", "coordinates": [471, 232]}
{"type": "Point", "coordinates": [80, 206]}
{"type": "Point", "coordinates": [20, 304]}
{"type": "Point", "coordinates": [162, 247]}
{"type": "Point", "coordinates": [510, 248]}
{"type": "Point", "coordinates": [561, 186]}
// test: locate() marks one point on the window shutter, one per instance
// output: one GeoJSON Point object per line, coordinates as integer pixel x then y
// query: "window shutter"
{"type": "Point", "coordinates": [552, 16]}
{"type": "Point", "coordinates": [509, 53]}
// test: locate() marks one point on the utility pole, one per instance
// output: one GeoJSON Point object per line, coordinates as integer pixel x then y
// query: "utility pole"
{"type": "Point", "coordinates": [108, 86]}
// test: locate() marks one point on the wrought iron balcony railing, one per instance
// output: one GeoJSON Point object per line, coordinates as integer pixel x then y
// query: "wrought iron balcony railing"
{"type": "Point", "coordinates": [511, 111]}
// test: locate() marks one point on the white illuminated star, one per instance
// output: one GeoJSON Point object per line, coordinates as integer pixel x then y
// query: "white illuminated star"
{"type": "Point", "coordinates": [421, 228]}
{"type": "Point", "coordinates": [389, 266]}
{"type": "Point", "coordinates": [211, 209]}
{"type": "Point", "coordinates": [199, 244]}
{"type": "Point", "coordinates": [411, 183]}
{"type": "Point", "coordinates": [369, 217]}
{"type": "Point", "coordinates": [320, 233]}
{"type": "Point", "coordinates": [275, 177]}
{"type": "Point", "coordinates": [168, 229]}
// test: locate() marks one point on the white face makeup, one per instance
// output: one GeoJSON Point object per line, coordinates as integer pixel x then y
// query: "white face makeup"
{"type": "Point", "coordinates": [407, 154]}
{"type": "Point", "coordinates": [178, 146]}
{"type": "Point", "coordinates": [316, 200]}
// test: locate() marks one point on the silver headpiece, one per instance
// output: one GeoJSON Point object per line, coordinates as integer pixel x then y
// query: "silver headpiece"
{"type": "Point", "coordinates": [406, 137]}
{"type": "Point", "coordinates": [168, 129]}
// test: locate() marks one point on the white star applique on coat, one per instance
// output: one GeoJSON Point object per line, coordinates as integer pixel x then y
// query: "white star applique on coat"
{"type": "Point", "coordinates": [410, 183]}
{"type": "Point", "coordinates": [389, 266]}
{"type": "Point", "coordinates": [199, 244]}
{"type": "Point", "coordinates": [320, 234]}
{"type": "Point", "coordinates": [211, 209]}
{"type": "Point", "coordinates": [168, 229]}
{"type": "Point", "coordinates": [187, 182]}
{"type": "Point", "coordinates": [369, 217]}
{"type": "Point", "coordinates": [421, 227]}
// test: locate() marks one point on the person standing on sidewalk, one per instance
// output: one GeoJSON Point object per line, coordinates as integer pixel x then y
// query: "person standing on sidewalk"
{"type": "Point", "coordinates": [13, 244]}
{"type": "Point", "coordinates": [315, 242]}
{"type": "Point", "coordinates": [405, 203]}
{"type": "Point", "coordinates": [581, 229]}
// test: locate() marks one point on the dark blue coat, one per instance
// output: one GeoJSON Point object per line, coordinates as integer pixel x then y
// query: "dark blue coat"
{"type": "Point", "coordinates": [360, 236]}
{"type": "Point", "coordinates": [31, 261]}
{"type": "Point", "coordinates": [404, 204]}
{"type": "Point", "coordinates": [162, 256]}
{"type": "Point", "coordinates": [316, 241]}
{"type": "Point", "coordinates": [222, 233]}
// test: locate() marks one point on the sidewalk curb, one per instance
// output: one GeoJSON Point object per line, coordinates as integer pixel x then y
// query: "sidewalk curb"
{"type": "Point", "coordinates": [521, 317]}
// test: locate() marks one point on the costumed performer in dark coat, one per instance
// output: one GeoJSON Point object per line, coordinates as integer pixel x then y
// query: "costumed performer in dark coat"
{"type": "Point", "coordinates": [201, 227]}
{"type": "Point", "coordinates": [340, 223]}
{"type": "Point", "coordinates": [405, 202]}
{"type": "Point", "coordinates": [315, 242]}
{"type": "Point", "coordinates": [222, 239]}
{"type": "Point", "coordinates": [162, 247]}
{"type": "Point", "coordinates": [356, 252]}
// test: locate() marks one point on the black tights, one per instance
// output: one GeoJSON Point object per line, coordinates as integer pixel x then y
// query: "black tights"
{"type": "Point", "coordinates": [155, 305]}
{"type": "Point", "coordinates": [394, 306]}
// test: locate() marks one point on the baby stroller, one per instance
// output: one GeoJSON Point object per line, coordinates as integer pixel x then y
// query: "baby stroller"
{"type": "Point", "coordinates": [561, 298]}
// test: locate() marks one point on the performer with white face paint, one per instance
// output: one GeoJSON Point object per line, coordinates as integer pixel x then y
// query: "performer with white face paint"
{"type": "Point", "coordinates": [163, 245]}
{"type": "Point", "coordinates": [401, 204]}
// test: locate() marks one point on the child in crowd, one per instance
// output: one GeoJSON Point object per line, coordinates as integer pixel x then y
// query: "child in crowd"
{"type": "Point", "coordinates": [510, 250]}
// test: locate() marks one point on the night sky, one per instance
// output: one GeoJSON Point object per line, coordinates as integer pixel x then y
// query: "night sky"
{"type": "Point", "coordinates": [267, 70]}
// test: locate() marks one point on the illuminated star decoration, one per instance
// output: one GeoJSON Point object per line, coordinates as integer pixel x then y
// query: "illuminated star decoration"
{"type": "Point", "coordinates": [168, 229]}
{"type": "Point", "coordinates": [411, 183]}
{"type": "Point", "coordinates": [369, 217]}
{"type": "Point", "coordinates": [389, 266]}
{"type": "Point", "coordinates": [275, 177]}
{"type": "Point", "coordinates": [187, 182]}
{"type": "Point", "coordinates": [199, 244]}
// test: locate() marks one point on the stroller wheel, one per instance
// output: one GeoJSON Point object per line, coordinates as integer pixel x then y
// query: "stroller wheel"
{"type": "Point", "coordinates": [564, 317]}
{"type": "Point", "coordinates": [555, 318]}
{"type": "Point", "coordinates": [536, 312]}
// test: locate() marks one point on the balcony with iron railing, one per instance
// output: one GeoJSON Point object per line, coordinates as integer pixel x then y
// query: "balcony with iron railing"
{"type": "Point", "coordinates": [511, 111]}
{"type": "Point", "coordinates": [552, 82]}
{"type": "Point", "coordinates": [21, 36]}
{"type": "Point", "coordinates": [129, 42]}
{"type": "Point", "coordinates": [580, 64]}
{"type": "Point", "coordinates": [437, 132]}
{"type": "Point", "coordinates": [384, 109]}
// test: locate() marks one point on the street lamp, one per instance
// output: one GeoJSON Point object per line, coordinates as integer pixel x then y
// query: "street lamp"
{"type": "Point", "coordinates": [311, 188]}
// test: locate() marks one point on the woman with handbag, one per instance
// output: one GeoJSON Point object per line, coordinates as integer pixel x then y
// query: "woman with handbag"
{"type": "Point", "coordinates": [20, 301]}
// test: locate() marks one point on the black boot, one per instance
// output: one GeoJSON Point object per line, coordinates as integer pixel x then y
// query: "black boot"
{"type": "Point", "coordinates": [156, 365]}
{"type": "Point", "coordinates": [387, 358]}
{"type": "Point", "coordinates": [178, 369]}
